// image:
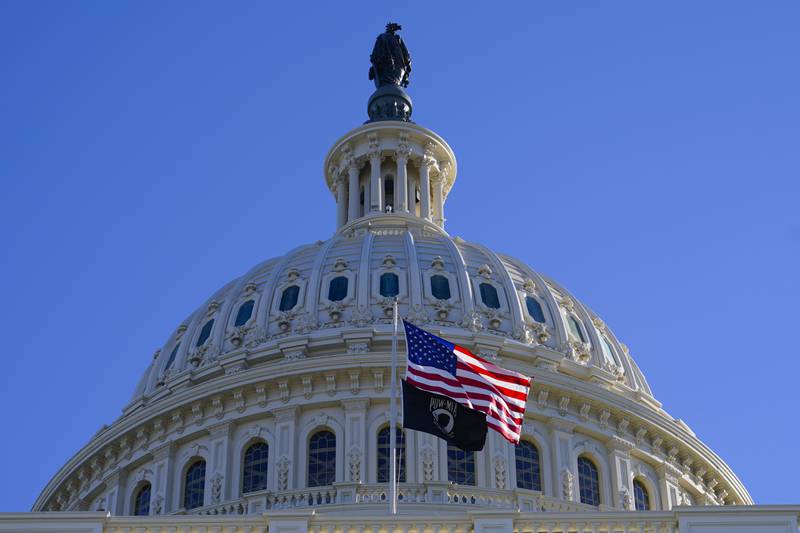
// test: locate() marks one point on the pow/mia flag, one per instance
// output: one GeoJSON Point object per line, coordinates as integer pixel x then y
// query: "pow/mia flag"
{"type": "Point", "coordinates": [443, 417]}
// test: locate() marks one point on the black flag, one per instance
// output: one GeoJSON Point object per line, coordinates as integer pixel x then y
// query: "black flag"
{"type": "Point", "coordinates": [443, 417]}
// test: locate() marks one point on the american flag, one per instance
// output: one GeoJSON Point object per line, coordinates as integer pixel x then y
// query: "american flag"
{"type": "Point", "coordinates": [441, 367]}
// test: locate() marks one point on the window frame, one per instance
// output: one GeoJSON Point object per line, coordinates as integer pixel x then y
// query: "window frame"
{"type": "Point", "coordinates": [400, 434]}
{"type": "Point", "coordinates": [309, 450]}
{"type": "Point", "coordinates": [540, 473]}
{"type": "Point", "coordinates": [184, 482]}
{"type": "Point", "coordinates": [597, 481]}
{"type": "Point", "coordinates": [242, 478]}
{"type": "Point", "coordinates": [466, 461]}
{"type": "Point", "coordinates": [137, 491]}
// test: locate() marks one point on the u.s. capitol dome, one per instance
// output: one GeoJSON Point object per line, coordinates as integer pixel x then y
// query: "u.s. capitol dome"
{"type": "Point", "coordinates": [274, 393]}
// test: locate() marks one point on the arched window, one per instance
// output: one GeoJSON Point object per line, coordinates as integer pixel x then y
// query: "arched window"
{"type": "Point", "coordinates": [641, 498]}
{"type": "Point", "coordinates": [289, 298]}
{"type": "Point", "coordinates": [254, 471]}
{"type": "Point", "coordinates": [608, 351]}
{"type": "Point", "coordinates": [529, 473]}
{"type": "Point", "coordinates": [337, 291]}
{"type": "Point", "coordinates": [322, 459]}
{"type": "Point", "coordinates": [460, 466]}
{"type": "Point", "coordinates": [534, 309]}
{"type": "Point", "coordinates": [588, 481]}
{"type": "Point", "coordinates": [141, 503]}
{"type": "Point", "coordinates": [383, 455]}
{"type": "Point", "coordinates": [388, 194]}
{"type": "Point", "coordinates": [205, 333]}
{"type": "Point", "coordinates": [244, 314]}
{"type": "Point", "coordinates": [440, 287]}
{"type": "Point", "coordinates": [575, 329]}
{"type": "Point", "coordinates": [489, 296]}
{"type": "Point", "coordinates": [172, 355]}
{"type": "Point", "coordinates": [194, 485]}
{"type": "Point", "coordinates": [390, 285]}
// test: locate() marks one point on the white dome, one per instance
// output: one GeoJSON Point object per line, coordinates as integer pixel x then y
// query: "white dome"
{"type": "Point", "coordinates": [301, 343]}
{"type": "Point", "coordinates": [415, 252]}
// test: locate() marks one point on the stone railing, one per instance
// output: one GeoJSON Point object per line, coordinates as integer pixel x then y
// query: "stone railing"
{"type": "Point", "coordinates": [441, 518]}
{"type": "Point", "coordinates": [408, 493]}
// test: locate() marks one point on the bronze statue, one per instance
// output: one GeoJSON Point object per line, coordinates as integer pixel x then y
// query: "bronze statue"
{"type": "Point", "coordinates": [391, 62]}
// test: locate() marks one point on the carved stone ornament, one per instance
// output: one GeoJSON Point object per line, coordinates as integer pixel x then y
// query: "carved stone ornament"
{"type": "Point", "coordinates": [418, 315]}
{"type": "Point", "coordinates": [529, 286]}
{"type": "Point", "coordinates": [473, 322]}
{"type": "Point", "coordinates": [437, 263]}
{"type": "Point", "coordinates": [216, 488]}
{"type": "Point", "coordinates": [494, 318]}
{"type": "Point", "coordinates": [625, 498]}
{"type": "Point", "coordinates": [158, 504]}
{"type": "Point", "coordinates": [499, 471]}
{"type": "Point", "coordinates": [283, 473]}
{"type": "Point", "coordinates": [354, 458]}
{"type": "Point", "coordinates": [387, 304]}
{"type": "Point", "coordinates": [485, 271]}
{"type": "Point", "coordinates": [361, 316]}
{"type": "Point", "coordinates": [357, 348]}
{"type": "Point", "coordinates": [335, 311]}
{"type": "Point", "coordinates": [427, 464]}
{"type": "Point", "coordinates": [524, 333]}
{"type": "Point", "coordinates": [567, 481]}
{"type": "Point", "coordinates": [305, 323]}
{"type": "Point", "coordinates": [442, 309]}
{"type": "Point", "coordinates": [389, 261]}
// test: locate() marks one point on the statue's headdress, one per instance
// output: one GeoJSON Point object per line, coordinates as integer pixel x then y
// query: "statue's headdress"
{"type": "Point", "coordinates": [393, 27]}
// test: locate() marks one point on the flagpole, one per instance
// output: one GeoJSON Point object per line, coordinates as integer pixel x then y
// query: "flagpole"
{"type": "Point", "coordinates": [393, 421]}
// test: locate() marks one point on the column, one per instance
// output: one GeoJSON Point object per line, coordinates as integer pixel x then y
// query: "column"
{"type": "Point", "coordinates": [438, 201]}
{"type": "Point", "coordinates": [621, 481]}
{"type": "Point", "coordinates": [219, 465]}
{"type": "Point", "coordinates": [285, 436]}
{"type": "Point", "coordinates": [115, 495]}
{"type": "Point", "coordinates": [425, 188]}
{"type": "Point", "coordinates": [354, 196]}
{"type": "Point", "coordinates": [565, 477]}
{"type": "Point", "coordinates": [341, 202]}
{"type": "Point", "coordinates": [400, 182]}
{"type": "Point", "coordinates": [375, 185]}
{"type": "Point", "coordinates": [161, 501]}
{"type": "Point", "coordinates": [412, 196]}
{"type": "Point", "coordinates": [668, 485]}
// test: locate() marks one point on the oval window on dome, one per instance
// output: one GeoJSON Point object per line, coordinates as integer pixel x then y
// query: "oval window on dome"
{"type": "Point", "coordinates": [440, 287]}
{"type": "Point", "coordinates": [489, 296]}
{"type": "Point", "coordinates": [205, 333]}
{"type": "Point", "coordinates": [390, 285]}
{"type": "Point", "coordinates": [608, 351]}
{"type": "Point", "coordinates": [289, 298]}
{"type": "Point", "coordinates": [172, 355]}
{"type": "Point", "coordinates": [337, 290]}
{"type": "Point", "coordinates": [534, 309]}
{"type": "Point", "coordinates": [244, 314]}
{"type": "Point", "coordinates": [575, 329]}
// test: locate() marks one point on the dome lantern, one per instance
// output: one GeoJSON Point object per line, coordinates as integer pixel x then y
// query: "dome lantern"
{"type": "Point", "coordinates": [390, 165]}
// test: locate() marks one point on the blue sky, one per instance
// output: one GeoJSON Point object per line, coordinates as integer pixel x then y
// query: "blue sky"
{"type": "Point", "coordinates": [643, 154]}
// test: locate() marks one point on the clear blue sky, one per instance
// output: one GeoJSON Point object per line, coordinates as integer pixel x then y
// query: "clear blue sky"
{"type": "Point", "coordinates": [646, 155]}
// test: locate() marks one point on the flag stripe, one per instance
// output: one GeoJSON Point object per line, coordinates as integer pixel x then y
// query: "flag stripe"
{"type": "Point", "coordinates": [438, 366]}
